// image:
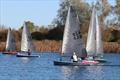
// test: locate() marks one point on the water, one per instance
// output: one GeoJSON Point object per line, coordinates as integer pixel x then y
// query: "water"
{"type": "Point", "coordinates": [14, 68]}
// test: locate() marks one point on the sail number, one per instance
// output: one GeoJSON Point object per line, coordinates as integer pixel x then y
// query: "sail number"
{"type": "Point", "coordinates": [77, 35]}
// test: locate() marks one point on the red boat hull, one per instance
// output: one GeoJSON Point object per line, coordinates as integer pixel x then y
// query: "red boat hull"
{"type": "Point", "coordinates": [89, 62]}
{"type": "Point", "coordinates": [12, 53]}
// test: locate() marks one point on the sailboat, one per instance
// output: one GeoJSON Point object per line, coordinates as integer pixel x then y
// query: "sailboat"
{"type": "Point", "coordinates": [94, 46]}
{"type": "Point", "coordinates": [27, 46]}
{"type": "Point", "coordinates": [72, 40]}
{"type": "Point", "coordinates": [10, 43]}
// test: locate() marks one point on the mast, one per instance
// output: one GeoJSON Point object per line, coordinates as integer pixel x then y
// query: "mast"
{"type": "Point", "coordinates": [72, 39]}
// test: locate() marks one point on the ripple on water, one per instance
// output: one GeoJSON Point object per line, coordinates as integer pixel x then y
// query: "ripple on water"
{"type": "Point", "coordinates": [14, 68]}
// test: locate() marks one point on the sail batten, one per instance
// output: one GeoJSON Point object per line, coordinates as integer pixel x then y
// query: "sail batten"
{"type": "Point", "coordinates": [72, 39]}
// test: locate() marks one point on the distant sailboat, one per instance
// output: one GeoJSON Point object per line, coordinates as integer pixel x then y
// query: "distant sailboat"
{"type": "Point", "coordinates": [10, 43]}
{"type": "Point", "coordinates": [26, 43]}
{"type": "Point", "coordinates": [94, 45]}
{"type": "Point", "coordinates": [72, 39]}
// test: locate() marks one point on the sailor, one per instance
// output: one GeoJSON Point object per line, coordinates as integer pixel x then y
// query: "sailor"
{"type": "Point", "coordinates": [29, 53]}
{"type": "Point", "coordinates": [74, 57]}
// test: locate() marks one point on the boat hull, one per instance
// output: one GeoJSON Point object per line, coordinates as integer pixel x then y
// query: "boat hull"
{"type": "Point", "coordinates": [101, 60]}
{"type": "Point", "coordinates": [25, 55]}
{"type": "Point", "coordinates": [82, 63]}
{"type": "Point", "coordinates": [11, 53]}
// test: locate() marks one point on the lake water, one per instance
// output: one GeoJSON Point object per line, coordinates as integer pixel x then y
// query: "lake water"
{"type": "Point", "coordinates": [14, 68]}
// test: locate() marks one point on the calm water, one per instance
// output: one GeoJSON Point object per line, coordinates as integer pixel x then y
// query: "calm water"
{"type": "Point", "coordinates": [14, 68]}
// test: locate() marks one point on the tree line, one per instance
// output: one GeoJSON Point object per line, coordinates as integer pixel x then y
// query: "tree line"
{"type": "Point", "coordinates": [111, 34]}
{"type": "Point", "coordinates": [110, 27]}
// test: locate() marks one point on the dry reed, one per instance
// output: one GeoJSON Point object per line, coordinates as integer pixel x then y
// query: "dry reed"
{"type": "Point", "coordinates": [55, 46]}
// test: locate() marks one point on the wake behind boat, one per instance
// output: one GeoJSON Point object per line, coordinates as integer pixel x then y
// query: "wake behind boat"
{"type": "Point", "coordinates": [10, 44]}
{"type": "Point", "coordinates": [27, 47]}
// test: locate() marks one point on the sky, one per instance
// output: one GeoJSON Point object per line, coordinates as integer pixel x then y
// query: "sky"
{"type": "Point", "coordinates": [14, 12]}
{"type": "Point", "coordinates": [41, 12]}
{"type": "Point", "coordinates": [112, 2]}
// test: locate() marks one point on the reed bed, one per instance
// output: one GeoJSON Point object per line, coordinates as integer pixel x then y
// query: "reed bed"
{"type": "Point", "coordinates": [2, 46]}
{"type": "Point", "coordinates": [111, 47]}
{"type": "Point", "coordinates": [48, 46]}
{"type": "Point", "coordinates": [55, 46]}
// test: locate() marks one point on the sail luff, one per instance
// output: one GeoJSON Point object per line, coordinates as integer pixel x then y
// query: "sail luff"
{"type": "Point", "coordinates": [91, 42]}
{"type": "Point", "coordinates": [72, 39]}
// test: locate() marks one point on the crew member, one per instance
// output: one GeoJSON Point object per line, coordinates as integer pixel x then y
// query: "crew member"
{"type": "Point", "coordinates": [74, 57]}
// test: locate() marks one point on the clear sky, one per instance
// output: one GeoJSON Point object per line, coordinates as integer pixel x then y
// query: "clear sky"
{"type": "Point", "coordinates": [112, 2]}
{"type": "Point", "coordinates": [14, 12]}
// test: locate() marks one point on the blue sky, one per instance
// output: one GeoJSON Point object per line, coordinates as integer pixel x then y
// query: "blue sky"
{"type": "Point", "coordinates": [112, 2]}
{"type": "Point", "coordinates": [14, 12]}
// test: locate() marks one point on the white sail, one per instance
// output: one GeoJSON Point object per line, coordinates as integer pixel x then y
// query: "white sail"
{"type": "Point", "coordinates": [10, 43]}
{"type": "Point", "coordinates": [99, 43]}
{"type": "Point", "coordinates": [26, 42]}
{"type": "Point", "coordinates": [94, 40]}
{"type": "Point", "coordinates": [91, 42]}
{"type": "Point", "coordinates": [72, 39]}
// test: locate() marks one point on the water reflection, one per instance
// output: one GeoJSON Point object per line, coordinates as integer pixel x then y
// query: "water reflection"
{"type": "Point", "coordinates": [14, 68]}
{"type": "Point", "coordinates": [73, 72]}
{"type": "Point", "coordinates": [95, 72]}
{"type": "Point", "coordinates": [25, 59]}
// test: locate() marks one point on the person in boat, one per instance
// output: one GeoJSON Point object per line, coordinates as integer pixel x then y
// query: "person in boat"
{"type": "Point", "coordinates": [74, 57]}
{"type": "Point", "coordinates": [29, 53]}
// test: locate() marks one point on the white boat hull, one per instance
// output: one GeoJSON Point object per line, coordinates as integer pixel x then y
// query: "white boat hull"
{"type": "Point", "coordinates": [26, 55]}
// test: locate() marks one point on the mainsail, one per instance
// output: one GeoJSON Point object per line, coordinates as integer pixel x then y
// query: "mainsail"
{"type": "Point", "coordinates": [26, 42]}
{"type": "Point", "coordinates": [94, 40]}
{"type": "Point", "coordinates": [72, 39]}
{"type": "Point", "coordinates": [10, 43]}
{"type": "Point", "coordinates": [99, 43]}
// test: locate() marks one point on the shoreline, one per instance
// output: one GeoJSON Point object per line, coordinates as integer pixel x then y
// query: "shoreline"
{"type": "Point", "coordinates": [46, 46]}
